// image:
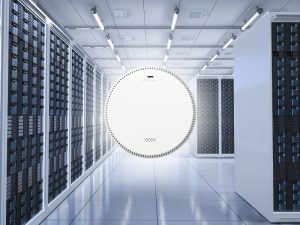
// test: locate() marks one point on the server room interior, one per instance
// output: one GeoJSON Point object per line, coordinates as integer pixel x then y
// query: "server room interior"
{"type": "Point", "coordinates": [59, 164]}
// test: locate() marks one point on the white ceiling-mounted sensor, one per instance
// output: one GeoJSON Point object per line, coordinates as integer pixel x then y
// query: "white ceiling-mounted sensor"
{"type": "Point", "coordinates": [150, 112]}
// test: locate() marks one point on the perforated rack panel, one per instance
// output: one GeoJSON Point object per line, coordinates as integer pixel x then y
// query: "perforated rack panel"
{"type": "Point", "coordinates": [227, 116]}
{"type": "Point", "coordinates": [286, 120]}
{"type": "Point", "coordinates": [25, 136]}
{"type": "Point", "coordinates": [58, 116]}
{"type": "Point", "coordinates": [98, 115]}
{"type": "Point", "coordinates": [77, 116]}
{"type": "Point", "coordinates": [89, 115]}
{"type": "Point", "coordinates": [207, 116]}
{"type": "Point", "coordinates": [104, 130]}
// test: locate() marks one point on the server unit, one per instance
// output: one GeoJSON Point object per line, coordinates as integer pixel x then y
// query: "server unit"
{"type": "Point", "coordinates": [25, 108]}
{"type": "Point", "coordinates": [89, 147]}
{"type": "Point", "coordinates": [77, 116]}
{"type": "Point", "coordinates": [42, 114]}
{"type": "Point", "coordinates": [213, 135]}
{"type": "Point", "coordinates": [267, 117]}
{"type": "Point", "coordinates": [227, 116]}
{"type": "Point", "coordinates": [104, 129]}
{"type": "Point", "coordinates": [98, 113]}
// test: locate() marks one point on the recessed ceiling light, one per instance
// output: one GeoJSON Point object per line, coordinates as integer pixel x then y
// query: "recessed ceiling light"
{"type": "Point", "coordinates": [128, 37]}
{"type": "Point", "coordinates": [181, 53]}
{"type": "Point", "coordinates": [197, 13]}
{"type": "Point", "coordinates": [121, 13]}
{"type": "Point", "coordinates": [187, 37]}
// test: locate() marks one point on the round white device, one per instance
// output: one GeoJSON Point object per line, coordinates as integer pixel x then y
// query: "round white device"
{"type": "Point", "coordinates": [150, 112]}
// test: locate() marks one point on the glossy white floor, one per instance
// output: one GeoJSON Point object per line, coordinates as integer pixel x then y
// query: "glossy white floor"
{"type": "Point", "coordinates": [174, 190]}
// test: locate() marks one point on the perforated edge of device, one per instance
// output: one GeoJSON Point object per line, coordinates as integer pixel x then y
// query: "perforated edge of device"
{"type": "Point", "coordinates": [177, 146]}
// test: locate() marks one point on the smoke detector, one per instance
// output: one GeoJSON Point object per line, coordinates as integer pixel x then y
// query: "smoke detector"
{"type": "Point", "coordinates": [150, 112]}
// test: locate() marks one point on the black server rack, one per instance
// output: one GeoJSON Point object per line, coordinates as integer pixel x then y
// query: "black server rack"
{"type": "Point", "coordinates": [98, 115]}
{"type": "Point", "coordinates": [58, 116]}
{"type": "Point", "coordinates": [25, 135]}
{"type": "Point", "coordinates": [207, 116]}
{"type": "Point", "coordinates": [286, 123]}
{"type": "Point", "coordinates": [89, 150]}
{"type": "Point", "coordinates": [104, 129]}
{"type": "Point", "coordinates": [227, 116]}
{"type": "Point", "coordinates": [77, 116]}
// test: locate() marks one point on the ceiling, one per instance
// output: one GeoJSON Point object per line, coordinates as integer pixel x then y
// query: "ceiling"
{"type": "Point", "coordinates": [140, 29]}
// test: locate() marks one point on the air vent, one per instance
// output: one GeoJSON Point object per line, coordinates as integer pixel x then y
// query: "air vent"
{"type": "Point", "coordinates": [121, 13]}
{"type": "Point", "coordinates": [197, 13]}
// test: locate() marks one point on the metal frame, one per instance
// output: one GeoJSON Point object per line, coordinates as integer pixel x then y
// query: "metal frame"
{"type": "Point", "coordinates": [155, 46]}
{"type": "Point", "coordinates": [216, 27]}
{"type": "Point", "coordinates": [4, 38]}
{"type": "Point", "coordinates": [219, 154]}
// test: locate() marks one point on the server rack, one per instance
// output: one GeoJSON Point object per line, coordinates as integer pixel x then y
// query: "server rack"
{"type": "Point", "coordinates": [207, 116]}
{"type": "Point", "coordinates": [98, 114]}
{"type": "Point", "coordinates": [286, 126]}
{"type": "Point", "coordinates": [25, 108]}
{"type": "Point", "coordinates": [214, 135]}
{"type": "Point", "coordinates": [104, 129]}
{"type": "Point", "coordinates": [58, 115]}
{"type": "Point", "coordinates": [77, 116]}
{"type": "Point", "coordinates": [89, 148]}
{"type": "Point", "coordinates": [227, 116]}
{"type": "Point", "coordinates": [267, 117]}
{"type": "Point", "coordinates": [33, 106]}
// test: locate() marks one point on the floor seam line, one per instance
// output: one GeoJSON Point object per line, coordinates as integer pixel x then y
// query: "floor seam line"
{"type": "Point", "coordinates": [187, 161]}
{"type": "Point", "coordinates": [72, 221]}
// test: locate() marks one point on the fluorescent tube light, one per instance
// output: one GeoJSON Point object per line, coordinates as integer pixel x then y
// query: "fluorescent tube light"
{"type": "Point", "coordinates": [110, 42]}
{"type": "Point", "coordinates": [169, 42]}
{"type": "Point", "coordinates": [118, 57]}
{"type": "Point", "coordinates": [204, 67]}
{"type": "Point", "coordinates": [123, 68]}
{"type": "Point", "coordinates": [97, 18]}
{"type": "Point", "coordinates": [166, 58]}
{"type": "Point", "coordinates": [256, 14]}
{"type": "Point", "coordinates": [175, 17]}
{"type": "Point", "coordinates": [214, 57]}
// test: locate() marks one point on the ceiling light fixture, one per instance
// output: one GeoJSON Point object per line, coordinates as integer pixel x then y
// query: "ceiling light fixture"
{"type": "Point", "coordinates": [169, 41]}
{"type": "Point", "coordinates": [175, 17]}
{"type": "Point", "coordinates": [233, 37]}
{"type": "Point", "coordinates": [118, 57]}
{"type": "Point", "coordinates": [97, 18]}
{"type": "Point", "coordinates": [255, 15]}
{"type": "Point", "coordinates": [166, 57]}
{"type": "Point", "coordinates": [123, 68]}
{"type": "Point", "coordinates": [204, 67]}
{"type": "Point", "coordinates": [214, 57]}
{"type": "Point", "coordinates": [110, 42]}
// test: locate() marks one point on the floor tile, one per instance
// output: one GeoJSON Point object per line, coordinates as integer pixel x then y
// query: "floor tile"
{"type": "Point", "coordinates": [67, 210]}
{"type": "Point", "coordinates": [200, 222]}
{"type": "Point", "coordinates": [119, 222]}
{"type": "Point", "coordinates": [118, 210]}
{"type": "Point", "coordinates": [245, 211]}
{"type": "Point", "coordinates": [195, 210]}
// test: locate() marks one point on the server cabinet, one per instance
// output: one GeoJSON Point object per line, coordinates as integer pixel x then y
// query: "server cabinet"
{"type": "Point", "coordinates": [267, 117]}
{"type": "Point", "coordinates": [227, 116]}
{"type": "Point", "coordinates": [286, 108]}
{"type": "Point", "coordinates": [207, 116]}
{"type": "Point", "coordinates": [104, 129]}
{"type": "Point", "coordinates": [98, 114]}
{"type": "Point", "coordinates": [25, 135]}
{"type": "Point", "coordinates": [58, 115]}
{"type": "Point", "coordinates": [77, 116]}
{"type": "Point", "coordinates": [89, 150]}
